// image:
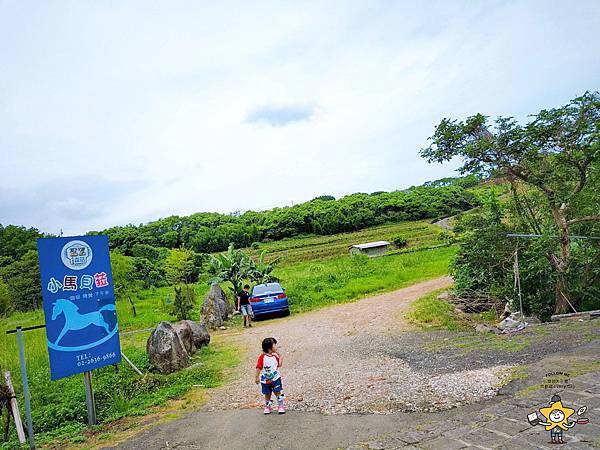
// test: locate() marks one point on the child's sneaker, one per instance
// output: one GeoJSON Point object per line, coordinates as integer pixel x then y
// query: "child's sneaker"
{"type": "Point", "coordinates": [280, 407]}
{"type": "Point", "coordinates": [268, 408]}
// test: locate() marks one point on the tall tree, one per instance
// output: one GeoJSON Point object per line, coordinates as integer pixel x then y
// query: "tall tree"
{"type": "Point", "coordinates": [556, 154]}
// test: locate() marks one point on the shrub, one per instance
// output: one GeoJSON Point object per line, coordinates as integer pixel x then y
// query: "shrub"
{"type": "Point", "coordinates": [447, 237]}
{"type": "Point", "coordinates": [400, 241]}
{"type": "Point", "coordinates": [183, 304]}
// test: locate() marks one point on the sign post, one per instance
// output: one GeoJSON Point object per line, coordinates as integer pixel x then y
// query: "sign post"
{"type": "Point", "coordinates": [25, 388]}
{"type": "Point", "coordinates": [79, 307]}
{"type": "Point", "coordinates": [89, 398]}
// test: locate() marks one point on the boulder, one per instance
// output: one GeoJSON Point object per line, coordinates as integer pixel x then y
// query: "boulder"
{"type": "Point", "coordinates": [200, 334]}
{"type": "Point", "coordinates": [229, 306]}
{"type": "Point", "coordinates": [165, 350]}
{"type": "Point", "coordinates": [185, 333]}
{"type": "Point", "coordinates": [216, 308]}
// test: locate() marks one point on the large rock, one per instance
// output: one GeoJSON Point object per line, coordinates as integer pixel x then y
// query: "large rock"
{"type": "Point", "coordinates": [216, 308]}
{"type": "Point", "coordinates": [229, 306]}
{"type": "Point", "coordinates": [200, 334]}
{"type": "Point", "coordinates": [185, 333]}
{"type": "Point", "coordinates": [165, 350]}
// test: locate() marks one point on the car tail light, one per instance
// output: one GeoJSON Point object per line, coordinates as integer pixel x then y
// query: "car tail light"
{"type": "Point", "coordinates": [254, 299]}
{"type": "Point", "coordinates": [281, 296]}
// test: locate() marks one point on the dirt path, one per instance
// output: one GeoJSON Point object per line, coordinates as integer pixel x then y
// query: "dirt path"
{"type": "Point", "coordinates": [444, 223]}
{"type": "Point", "coordinates": [362, 357]}
{"type": "Point", "coordinates": [334, 364]}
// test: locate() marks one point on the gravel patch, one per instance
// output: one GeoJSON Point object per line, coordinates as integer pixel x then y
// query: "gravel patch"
{"type": "Point", "coordinates": [444, 351]}
{"type": "Point", "coordinates": [345, 359]}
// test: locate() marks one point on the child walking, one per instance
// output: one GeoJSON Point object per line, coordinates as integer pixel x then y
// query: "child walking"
{"type": "Point", "coordinates": [267, 374]}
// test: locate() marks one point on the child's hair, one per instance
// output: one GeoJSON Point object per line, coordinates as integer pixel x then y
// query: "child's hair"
{"type": "Point", "coordinates": [246, 286]}
{"type": "Point", "coordinates": [267, 344]}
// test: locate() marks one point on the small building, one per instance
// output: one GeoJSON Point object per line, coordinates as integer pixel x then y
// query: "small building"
{"type": "Point", "coordinates": [371, 249]}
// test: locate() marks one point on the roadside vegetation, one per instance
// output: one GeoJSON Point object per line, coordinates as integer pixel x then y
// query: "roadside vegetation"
{"type": "Point", "coordinates": [451, 330]}
{"type": "Point", "coordinates": [552, 167]}
{"type": "Point", "coordinates": [432, 313]}
{"type": "Point", "coordinates": [317, 284]}
{"type": "Point", "coordinates": [176, 250]}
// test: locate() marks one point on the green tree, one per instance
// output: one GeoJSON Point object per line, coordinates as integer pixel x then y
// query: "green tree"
{"type": "Point", "coordinates": [400, 241]}
{"type": "Point", "coordinates": [180, 266]}
{"type": "Point", "coordinates": [232, 266]}
{"type": "Point", "coordinates": [5, 304]}
{"type": "Point", "coordinates": [124, 274]}
{"type": "Point", "coordinates": [15, 241]}
{"type": "Point", "coordinates": [23, 280]}
{"type": "Point", "coordinates": [556, 155]}
{"type": "Point", "coordinates": [149, 273]}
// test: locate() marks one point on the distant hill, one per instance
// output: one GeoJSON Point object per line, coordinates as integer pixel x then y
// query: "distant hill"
{"type": "Point", "coordinates": [207, 232]}
{"type": "Point", "coordinates": [212, 232]}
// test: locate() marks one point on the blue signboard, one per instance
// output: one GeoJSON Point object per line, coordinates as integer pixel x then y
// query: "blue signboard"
{"type": "Point", "coordinates": [79, 304]}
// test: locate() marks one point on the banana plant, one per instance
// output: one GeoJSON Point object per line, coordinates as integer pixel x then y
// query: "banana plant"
{"type": "Point", "coordinates": [261, 271]}
{"type": "Point", "coordinates": [233, 266]}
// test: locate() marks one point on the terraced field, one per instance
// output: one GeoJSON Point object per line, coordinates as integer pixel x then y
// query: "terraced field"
{"type": "Point", "coordinates": [311, 248]}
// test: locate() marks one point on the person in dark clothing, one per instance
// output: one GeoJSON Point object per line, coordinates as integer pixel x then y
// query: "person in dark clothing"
{"type": "Point", "coordinates": [243, 305]}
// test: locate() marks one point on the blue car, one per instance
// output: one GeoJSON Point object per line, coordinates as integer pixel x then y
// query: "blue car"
{"type": "Point", "coordinates": [269, 298]}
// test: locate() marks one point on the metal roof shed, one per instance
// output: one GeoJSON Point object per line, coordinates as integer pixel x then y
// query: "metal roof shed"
{"type": "Point", "coordinates": [371, 249]}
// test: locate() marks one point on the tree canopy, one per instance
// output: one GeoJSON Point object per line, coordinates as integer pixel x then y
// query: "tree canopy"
{"type": "Point", "coordinates": [212, 232]}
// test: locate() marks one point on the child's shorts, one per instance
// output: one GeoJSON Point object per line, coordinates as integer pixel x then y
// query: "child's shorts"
{"type": "Point", "coordinates": [275, 386]}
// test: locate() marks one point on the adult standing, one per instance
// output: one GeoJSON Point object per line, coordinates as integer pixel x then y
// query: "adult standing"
{"type": "Point", "coordinates": [243, 305]}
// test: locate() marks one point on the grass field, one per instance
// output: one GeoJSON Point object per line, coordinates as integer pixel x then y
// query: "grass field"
{"type": "Point", "coordinates": [313, 285]}
{"type": "Point", "coordinates": [316, 272]}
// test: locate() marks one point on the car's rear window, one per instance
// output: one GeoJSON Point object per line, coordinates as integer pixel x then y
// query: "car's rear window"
{"type": "Point", "coordinates": [270, 288]}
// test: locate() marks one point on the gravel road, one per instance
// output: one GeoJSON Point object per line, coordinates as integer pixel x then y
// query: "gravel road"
{"type": "Point", "coordinates": [337, 361]}
{"type": "Point", "coordinates": [363, 357]}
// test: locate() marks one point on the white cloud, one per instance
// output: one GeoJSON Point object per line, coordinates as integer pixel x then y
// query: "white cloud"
{"type": "Point", "coordinates": [281, 115]}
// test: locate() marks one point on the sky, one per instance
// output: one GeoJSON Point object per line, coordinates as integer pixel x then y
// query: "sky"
{"type": "Point", "coordinates": [121, 112]}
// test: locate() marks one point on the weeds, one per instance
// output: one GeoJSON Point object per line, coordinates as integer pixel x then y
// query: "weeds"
{"type": "Point", "coordinates": [429, 312]}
